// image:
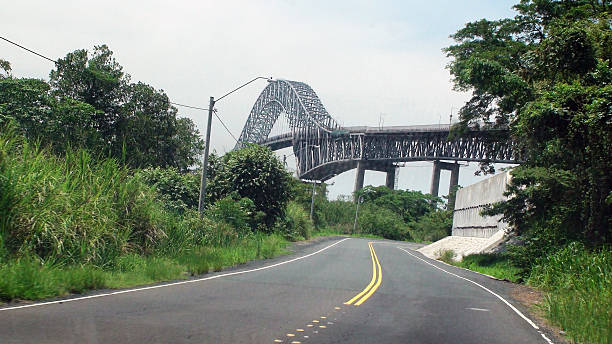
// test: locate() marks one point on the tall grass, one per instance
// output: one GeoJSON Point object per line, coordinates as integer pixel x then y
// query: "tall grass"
{"type": "Point", "coordinates": [71, 209]}
{"type": "Point", "coordinates": [579, 283]}
{"type": "Point", "coordinates": [32, 279]}
{"type": "Point", "coordinates": [75, 222]}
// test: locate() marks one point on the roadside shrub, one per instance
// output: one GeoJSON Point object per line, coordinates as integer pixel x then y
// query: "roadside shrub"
{"type": "Point", "coordinates": [382, 222]}
{"type": "Point", "coordinates": [178, 191]}
{"type": "Point", "coordinates": [446, 256]}
{"type": "Point", "coordinates": [237, 214]}
{"type": "Point", "coordinates": [433, 226]}
{"type": "Point", "coordinates": [256, 173]}
{"type": "Point", "coordinates": [297, 222]}
{"type": "Point", "coordinates": [338, 213]}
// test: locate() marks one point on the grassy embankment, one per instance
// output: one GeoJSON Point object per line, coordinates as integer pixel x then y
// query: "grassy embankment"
{"type": "Point", "coordinates": [73, 223]}
{"type": "Point", "coordinates": [577, 285]}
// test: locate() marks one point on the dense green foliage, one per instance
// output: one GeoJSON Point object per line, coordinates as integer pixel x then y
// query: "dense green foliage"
{"type": "Point", "coordinates": [392, 214]}
{"type": "Point", "coordinates": [383, 222]}
{"type": "Point", "coordinates": [432, 226]}
{"type": "Point", "coordinates": [90, 103]}
{"type": "Point", "coordinates": [410, 205]}
{"type": "Point", "coordinates": [547, 74]}
{"type": "Point", "coordinates": [296, 223]}
{"type": "Point", "coordinates": [178, 191]}
{"type": "Point", "coordinates": [301, 193]}
{"type": "Point", "coordinates": [71, 209]}
{"type": "Point", "coordinates": [57, 122]}
{"type": "Point", "coordinates": [256, 173]}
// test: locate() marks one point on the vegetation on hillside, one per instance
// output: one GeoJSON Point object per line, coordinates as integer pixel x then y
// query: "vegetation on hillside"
{"type": "Point", "coordinates": [547, 75]}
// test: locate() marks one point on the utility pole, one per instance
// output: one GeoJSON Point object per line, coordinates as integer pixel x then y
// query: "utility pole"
{"type": "Point", "coordinates": [359, 200]}
{"type": "Point", "coordinates": [314, 183]}
{"type": "Point", "coordinates": [205, 164]}
{"type": "Point", "coordinates": [211, 107]}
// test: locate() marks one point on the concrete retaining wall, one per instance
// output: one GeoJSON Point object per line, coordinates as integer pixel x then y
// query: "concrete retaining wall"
{"type": "Point", "coordinates": [471, 200]}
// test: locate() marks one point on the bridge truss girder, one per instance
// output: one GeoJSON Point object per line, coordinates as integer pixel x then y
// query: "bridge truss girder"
{"type": "Point", "coordinates": [334, 155]}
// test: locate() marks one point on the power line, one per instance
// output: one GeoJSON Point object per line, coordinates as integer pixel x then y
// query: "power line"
{"type": "Point", "coordinates": [189, 106]}
{"type": "Point", "coordinates": [224, 126]}
{"type": "Point", "coordinates": [214, 111]}
{"type": "Point", "coordinates": [32, 51]}
{"type": "Point", "coordinates": [177, 104]}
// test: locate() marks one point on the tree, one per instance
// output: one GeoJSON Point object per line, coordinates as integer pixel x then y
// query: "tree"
{"type": "Point", "coordinates": [43, 117]}
{"type": "Point", "coordinates": [410, 205]}
{"type": "Point", "coordinates": [6, 67]}
{"type": "Point", "coordinates": [253, 172]}
{"type": "Point", "coordinates": [547, 75]}
{"type": "Point", "coordinates": [136, 121]}
{"type": "Point", "coordinates": [97, 80]}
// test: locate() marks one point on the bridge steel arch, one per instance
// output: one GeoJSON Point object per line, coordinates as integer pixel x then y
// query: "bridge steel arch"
{"type": "Point", "coordinates": [324, 149]}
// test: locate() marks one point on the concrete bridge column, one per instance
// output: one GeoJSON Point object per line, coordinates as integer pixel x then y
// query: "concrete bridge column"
{"type": "Point", "coordinates": [454, 181]}
{"type": "Point", "coordinates": [435, 179]}
{"type": "Point", "coordinates": [359, 177]}
{"type": "Point", "coordinates": [390, 181]}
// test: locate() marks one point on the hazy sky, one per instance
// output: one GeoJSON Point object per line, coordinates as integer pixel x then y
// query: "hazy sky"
{"type": "Point", "coordinates": [369, 61]}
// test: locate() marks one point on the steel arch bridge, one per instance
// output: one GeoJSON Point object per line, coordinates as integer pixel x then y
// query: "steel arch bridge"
{"type": "Point", "coordinates": [290, 114]}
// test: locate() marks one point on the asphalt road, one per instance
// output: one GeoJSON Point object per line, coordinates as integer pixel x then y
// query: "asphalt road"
{"type": "Point", "coordinates": [296, 298]}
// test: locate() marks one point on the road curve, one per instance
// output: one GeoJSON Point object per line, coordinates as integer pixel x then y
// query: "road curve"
{"type": "Point", "coordinates": [303, 298]}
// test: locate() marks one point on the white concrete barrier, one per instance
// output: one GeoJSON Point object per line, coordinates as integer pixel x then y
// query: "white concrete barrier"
{"type": "Point", "coordinates": [472, 199]}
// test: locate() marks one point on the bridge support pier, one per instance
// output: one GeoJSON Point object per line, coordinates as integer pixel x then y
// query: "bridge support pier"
{"type": "Point", "coordinates": [454, 179]}
{"type": "Point", "coordinates": [359, 176]}
{"type": "Point", "coordinates": [435, 179]}
{"type": "Point", "coordinates": [390, 180]}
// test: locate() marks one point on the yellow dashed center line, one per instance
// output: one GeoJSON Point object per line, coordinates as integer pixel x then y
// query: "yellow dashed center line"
{"type": "Point", "coordinates": [374, 283]}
